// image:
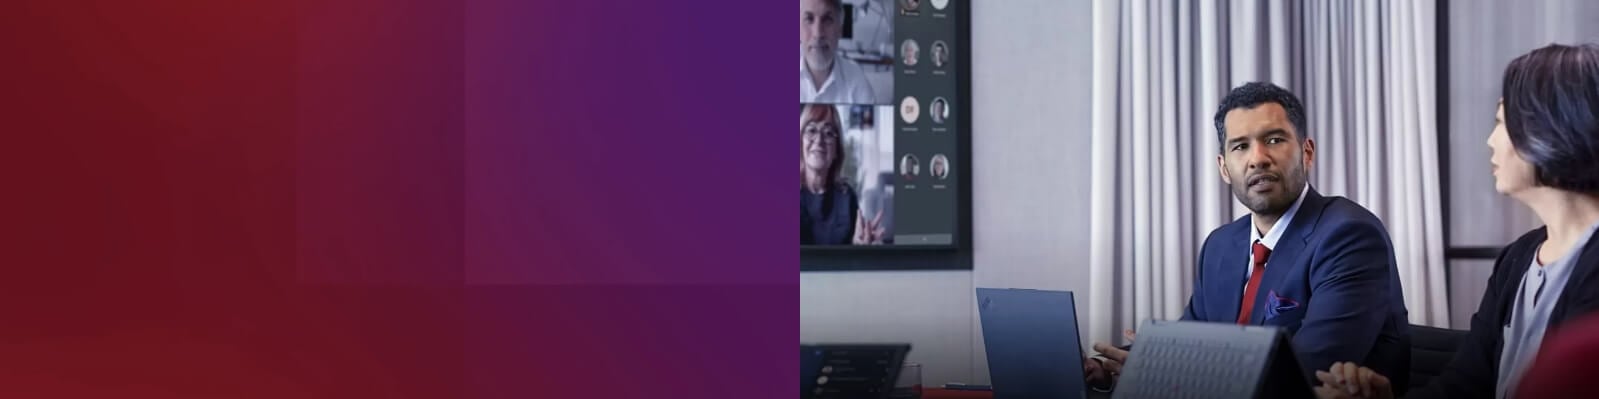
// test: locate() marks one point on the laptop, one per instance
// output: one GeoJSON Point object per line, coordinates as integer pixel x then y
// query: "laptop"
{"type": "Point", "coordinates": [1192, 359]}
{"type": "Point", "coordinates": [850, 371]}
{"type": "Point", "coordinates": [1033, 347]}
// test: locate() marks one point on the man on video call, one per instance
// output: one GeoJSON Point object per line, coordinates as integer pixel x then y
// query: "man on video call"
{"type": "Point", "coordinates": [825, 76]}
{"type": "Point", "coordinates": [1320, 267]}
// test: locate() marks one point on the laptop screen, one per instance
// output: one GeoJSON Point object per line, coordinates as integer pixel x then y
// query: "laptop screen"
{"type": "Point", "coordinates": [1032, 343]}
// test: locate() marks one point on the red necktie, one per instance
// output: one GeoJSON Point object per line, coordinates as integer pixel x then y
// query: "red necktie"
{"type": "Point", "coordinates": [1261, 253]}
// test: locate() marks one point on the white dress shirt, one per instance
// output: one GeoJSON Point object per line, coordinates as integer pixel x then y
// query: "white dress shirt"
{"type": "Point", "coordinates": [1273, 235]}
{"type": "Point", "coordinates": [846, 84]}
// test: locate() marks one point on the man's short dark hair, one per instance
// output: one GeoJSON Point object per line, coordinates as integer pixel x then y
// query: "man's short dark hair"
{"type": "Point", "coordinates": [1252, 95]}
{"type": "Point", "coordinates": [1551, 99]}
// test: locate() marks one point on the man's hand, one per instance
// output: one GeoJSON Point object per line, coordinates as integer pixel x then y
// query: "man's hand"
{"type": "Point", "coordinates": [1095, 375]}
{"type": "Point", "coordinates": [1347, 380]}
{"type": "Point", "coordinates": [1111, 369]}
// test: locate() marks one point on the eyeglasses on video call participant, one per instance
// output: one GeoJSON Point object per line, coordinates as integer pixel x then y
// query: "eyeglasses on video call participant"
{"type": "Point", "coordinates": [829, 208]}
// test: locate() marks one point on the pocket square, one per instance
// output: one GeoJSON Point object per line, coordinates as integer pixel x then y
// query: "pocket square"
{"type": "Point", "coordinates": [1278, 304]}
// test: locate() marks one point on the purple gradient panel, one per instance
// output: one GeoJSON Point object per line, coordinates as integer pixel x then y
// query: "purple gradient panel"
{"type": "Point", "coordinates": [628, 142]}
{"type": "Point", "coordinates": [622, 341]}
{"type": "Point", "coordinates": [284, 199]}
{"type": "Point", "coordinates": [146, 198]}
{"type": "Point", "coordinates": [378, 195]}
{"type": "Point", "coordinates": [379, 171]}
{"type": "Point", "coordinates": [152, 248]}
{"type": "Point", "coordinates": [623, 228]}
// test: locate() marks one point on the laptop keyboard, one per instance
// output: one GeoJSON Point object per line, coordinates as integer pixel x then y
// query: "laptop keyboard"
{"type": "Point", "coordinates": [1181, 367]}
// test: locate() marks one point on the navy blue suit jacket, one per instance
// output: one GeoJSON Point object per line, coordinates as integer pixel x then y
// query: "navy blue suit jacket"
{"type": "Point", "coordinates": [1331, 282]}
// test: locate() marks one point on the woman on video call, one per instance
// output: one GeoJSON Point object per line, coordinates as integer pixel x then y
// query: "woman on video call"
{"type": "Point", "coordinates": [829, 208]}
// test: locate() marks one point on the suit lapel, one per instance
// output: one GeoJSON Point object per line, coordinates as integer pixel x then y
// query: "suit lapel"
{"type": "Point", "coordinates": [1290, 249]}
{"type": "Point", "coordinates": [1279, 265]}
{"type": "Point", "coordinates": [1234, 260]}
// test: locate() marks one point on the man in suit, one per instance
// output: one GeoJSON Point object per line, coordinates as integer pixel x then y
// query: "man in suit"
{"type": "Point", "coordinates": [1320, 267]}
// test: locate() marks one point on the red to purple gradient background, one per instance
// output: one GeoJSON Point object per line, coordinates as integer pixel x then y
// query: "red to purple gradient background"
{"type": "Point", "coordinates": [408, 199]}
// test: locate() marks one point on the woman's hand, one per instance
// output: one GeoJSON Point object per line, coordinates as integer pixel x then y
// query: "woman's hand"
{"type": "Point", "coordinates": [868, 232]}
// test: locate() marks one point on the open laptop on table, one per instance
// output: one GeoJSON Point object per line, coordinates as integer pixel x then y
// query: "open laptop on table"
{"type": "Point", "coordinates": [1034, 350]}
{"type": "Point", "coordinates": [1190, 359]}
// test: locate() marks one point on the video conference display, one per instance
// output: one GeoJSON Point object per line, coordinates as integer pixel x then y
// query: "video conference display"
{"type": "Point", "coordinates": [878, 122]}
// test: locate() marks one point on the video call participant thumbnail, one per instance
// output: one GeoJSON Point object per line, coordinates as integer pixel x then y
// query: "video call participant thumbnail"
{"type": "Point", "coordinates": [910, 167]}
{"type": "Point", "coordinates": [830, 211]}
{"type": "Point", "coordinates": [825, 75]}
{"type": "Point", "coordinates": [910, 51]}
{"type": "Point", "coordinates": [939, 110]}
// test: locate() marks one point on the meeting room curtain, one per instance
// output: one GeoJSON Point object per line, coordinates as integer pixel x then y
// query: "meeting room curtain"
{"type": "Point", "coordinates": [1365, 73]}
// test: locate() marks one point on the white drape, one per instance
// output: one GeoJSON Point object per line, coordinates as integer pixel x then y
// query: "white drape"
{"type": "Point", "coordinates": [1365, 73]}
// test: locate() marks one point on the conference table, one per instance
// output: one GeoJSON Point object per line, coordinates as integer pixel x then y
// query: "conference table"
{"type": "Point", "coordinates": [941, 393]}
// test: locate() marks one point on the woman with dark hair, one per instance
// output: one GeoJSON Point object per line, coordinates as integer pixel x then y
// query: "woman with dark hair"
{"type": "Point", "coordinates": [829, 207]}
{"type": "Point", "coordinates": [1545, 146]}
